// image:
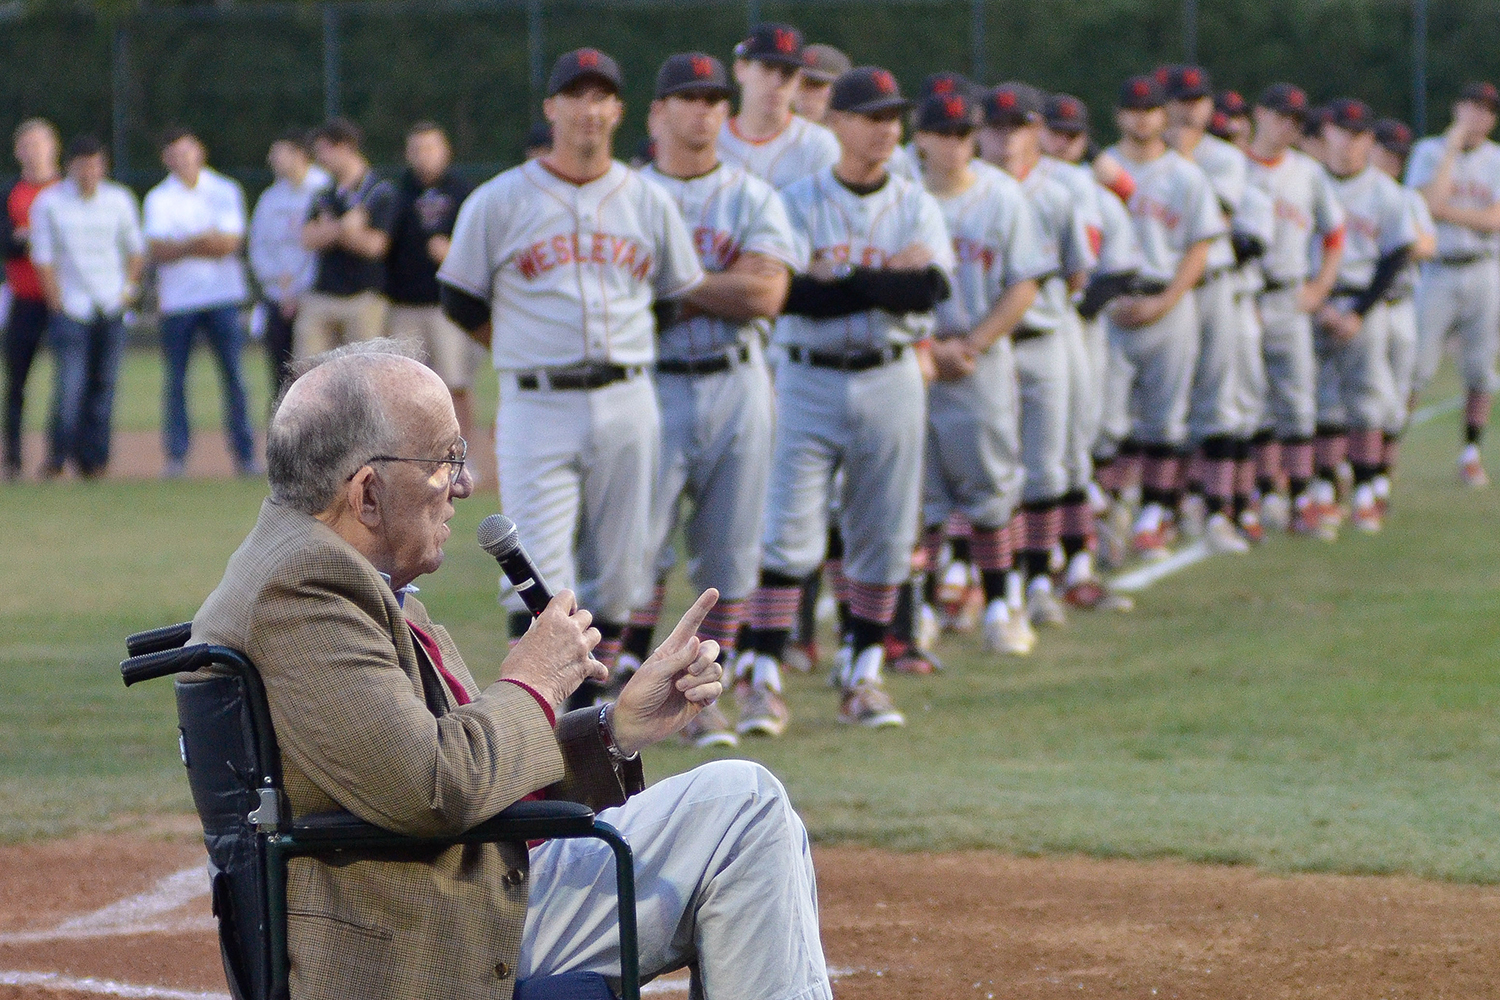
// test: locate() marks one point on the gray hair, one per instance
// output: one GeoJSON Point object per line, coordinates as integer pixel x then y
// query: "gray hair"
{"type": "Point", "coordinates": [314, 447]}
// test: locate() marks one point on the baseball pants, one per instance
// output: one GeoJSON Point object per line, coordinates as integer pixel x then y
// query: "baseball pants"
{"type": "Point", "coordinates": [1214, 406]}
{"type": "Point", "coordinates": [1150, 377]}
{"type": "Point", "coordinates": [1096, 344]}
{"type": "Point", "coordinates": [326, 321]}
{"type": "Point", "coordinates": [1250, 367]}
{"type": "Point", "coordinates": [725, 886]}
{"type": "Point", "coordinates": [1465, 298]}
{"type": "Point", "coordinates": [577, 468]}
{"type": "Point", "coordinates": [873, 422]}
{"type": "Point", "coordinates": [1042, 365]}
{"type": "Point", "coordinates": [1085, 403]}
{"type": "Point", "coordinates": [1403, 346]}
{"type": "Point", "coordinates": [450, 352]}
{"type": "Point", "coordinates": [973, 449]}
{"type": "Point", "coordinates": [716, 453]}
{"type": "Point", "coordinates": [1356, 388]}
{"type": "Point", "coordinates": [1291, 367]}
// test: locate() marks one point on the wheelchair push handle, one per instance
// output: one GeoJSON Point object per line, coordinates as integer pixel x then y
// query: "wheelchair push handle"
{"type": "Point", "coordinates": [164, 664]}
{"type": "Point", "coordinates": [158, 639]}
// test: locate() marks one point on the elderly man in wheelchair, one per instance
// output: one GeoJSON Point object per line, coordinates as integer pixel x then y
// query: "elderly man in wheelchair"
{"type": "Point", "coordinates": [376, 716]}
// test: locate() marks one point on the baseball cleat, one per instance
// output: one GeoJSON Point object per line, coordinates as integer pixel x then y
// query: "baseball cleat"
{"type": "Point", "coordinates": [1093, 595]}
{"type": "Point", "coordinates": [709, 728]}
{"type": "Point", "coordinates": [867, 704]}
{"type": "Point", "coordinates": [1113, 529]}
{"type": "Point", "coordinates": [1250, 526]}
{"type": "Point", "coordinates": [1151, 544]}
{"type": "Point", "coordinates": [929, 629]}
{"type": "Point", "coordinates": [1007, 633]}
{"type": "Point", "coordinates": [1366, 515]}
{"type": "Point", "coordinates": [1275, 512]}
{"type": "Point", "coordinates": [801, 657]}
{"type": "Point", "coordinates": [906, 658]}
{"type": "Point", "coordinates": [1044, 609]}
{"type": "Point", "coordinates": [1471, 470]}
{"type": "Point", "coordinates": [1309, 521]}
{"type": "Point", "coordinates": [1193, 516]}
{"type": "Point", "coordinates": [1222, 536]}
{"type": "Point", "coordinates": [763, 712]}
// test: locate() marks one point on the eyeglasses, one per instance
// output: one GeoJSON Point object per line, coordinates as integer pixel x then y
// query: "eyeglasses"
{"type": "Point", "coordinates": [454, 462]}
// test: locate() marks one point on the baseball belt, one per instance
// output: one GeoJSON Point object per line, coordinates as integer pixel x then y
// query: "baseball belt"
{"type": "Point", "coordinates": [1464, 259]}
{"type": "Point", "coordinates": [855, 361]}
{"type": "Point", "coordinates": [589, 375]}
{"type": "Point", "coordinates": [711, 365]}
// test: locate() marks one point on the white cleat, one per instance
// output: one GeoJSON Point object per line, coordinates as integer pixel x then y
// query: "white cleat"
{"type": "Point", "coordinates": [1223, 537]}
{"type": "Point", "coordinates": [1275, 512]}
{"type": "Point", "coordinates": [1005, 633]}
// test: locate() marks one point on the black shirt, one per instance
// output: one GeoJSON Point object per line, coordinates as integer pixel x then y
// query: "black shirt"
{"type": "Point", "coordinates": [422, 212]}
{"type": "Point", "coordinates": [339, 271]}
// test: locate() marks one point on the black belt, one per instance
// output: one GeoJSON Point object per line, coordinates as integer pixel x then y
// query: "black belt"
{"type": "Point", "coordinates": [1463, 259]}
{"type": "Point", "coordinates": [711, 365]}
{"type": "Point", "coordinates": [1023, 333]}
{"type": "Point", "coordinates": [594, 375]}
{"type": "Point", "coordinates": [857, 361]}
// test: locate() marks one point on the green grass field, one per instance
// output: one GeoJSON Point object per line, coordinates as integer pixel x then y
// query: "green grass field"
{"type": "Point", "coordinates": [1308, 707]}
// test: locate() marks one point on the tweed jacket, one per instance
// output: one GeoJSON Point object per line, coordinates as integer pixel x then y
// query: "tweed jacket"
{"type": "Point", "coordinates": [342, 676]}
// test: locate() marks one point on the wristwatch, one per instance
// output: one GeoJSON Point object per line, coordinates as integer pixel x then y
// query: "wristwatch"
{"type": "Point", "coordinates": [607, 733]}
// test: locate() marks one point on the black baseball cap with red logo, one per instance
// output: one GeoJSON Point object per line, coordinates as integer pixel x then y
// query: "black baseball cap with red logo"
{"type": "Point", "coordinates": [1066, 115]}
{"type": "Point", "coordinates": [1186, 83]}
{"type": "Point", "coordinates": [584, 64]}
{"type": "Point", "coordinates": [1393, 136]}
{"type": "Point", "coordinates": [1351, 114]}
{"type": "Point", "coordinates": [1481, 92]}
{"type": "Point", "coordinates": [948, 114]}
{"type": "Point", "coordinates": [1285, 99]}
{"type": "Point", "coordinates": [1231, 104]}
{"type": "Point", "coordinates": [693, 73]}
{"type": "Point", "coordinates": [867, 90]}
{"type": "Point", "coordinates": [1014, 103]}
{"type": "Point", "coordinates": [946, 84]}
{"type": "Point", "coordinates": [778, 44]}
{"type": "Point", "coordinates": [1142, 93]}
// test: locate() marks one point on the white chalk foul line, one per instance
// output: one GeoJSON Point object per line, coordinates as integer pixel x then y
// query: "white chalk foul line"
{"type": "Point", "coordinates": [143, 913]}
{"type": "Point", "coordinates": [102, 987]}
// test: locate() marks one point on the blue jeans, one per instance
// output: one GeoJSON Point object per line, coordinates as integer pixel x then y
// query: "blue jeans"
{"type": "Point", "coordinates": [83, 399]}
{"type": "Point", "coordinates": [225, 334]}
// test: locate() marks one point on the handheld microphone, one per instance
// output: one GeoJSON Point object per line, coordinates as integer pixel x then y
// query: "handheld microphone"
{"type": "Point", "coordinates": [498, 536]}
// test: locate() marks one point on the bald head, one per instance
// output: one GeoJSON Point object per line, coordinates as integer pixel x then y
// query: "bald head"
{"type": "Point", "coordinates": [345, 407]}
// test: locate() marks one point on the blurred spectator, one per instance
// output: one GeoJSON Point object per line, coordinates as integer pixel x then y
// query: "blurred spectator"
{"type": "Point", "coordinates": [283, 267]}
{"type": "Point", "coordinates": [426, 205]}
{"type": "Point", "coordinates": [37, 150]}
{"type": "Point", "coordinates": [88, 250]}
{"type": "Point", "coordinates": [195, 226]}
{"type": "Point", "coordinates": [349, 228]}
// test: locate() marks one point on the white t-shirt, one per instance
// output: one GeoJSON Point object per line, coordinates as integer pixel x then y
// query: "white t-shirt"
{"type": "Point", "coordinates": [570, 270]}
{"type": "Point", "coordinates": [175, 211]}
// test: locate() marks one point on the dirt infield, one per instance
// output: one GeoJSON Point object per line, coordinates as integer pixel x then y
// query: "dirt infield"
{"type": "Point", "coordinates": [125, 916]}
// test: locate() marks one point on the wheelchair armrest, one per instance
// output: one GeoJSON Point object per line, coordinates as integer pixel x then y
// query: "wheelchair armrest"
{"type": "Point", "coordinates": [157, 639]}
{"type": "Point", "coordinates": [521, 821]}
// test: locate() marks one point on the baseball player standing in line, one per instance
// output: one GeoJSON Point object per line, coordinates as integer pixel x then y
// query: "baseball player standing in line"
{"type": "Point", "coordinates": [1153, 332]}
{"type": "Point", "coordinates": [821, 65]}
{"type": "Point", "coordinates": [973, 448]}
{"type": "Point", "coordinates": [555, 264]}
{"type": "Point", "coordinates": [850, 391]}
{"type": "Point", "coordinates": [1459, 174]}
{"type": "Point", "coordinates": [1305, 209]}
{"type": "Point", "coordinates": [711, 377]}
{"type": "Point", "coordinates": [1065, 142]}
{"type": "Point", "coordinates": [1393, 140]}
{"type": "Point", "coordinates": [1218, 431]}
{"type": "Point", "coordinates": [1231, 120]}
{"type": "Point", "coordinates": [1048, 344]}
{"type": "Point", "coordinates": [1353, 334]}
{"type": "Point", "coordinates": [766, 138]}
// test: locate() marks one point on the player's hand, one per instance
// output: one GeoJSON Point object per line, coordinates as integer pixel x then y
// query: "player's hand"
{"type": "Point", "coordinates": [1107, 169]}
{"type": "Point", "coordinates": [912, 258]}
{"type": "Point", "coordinates": [438, 247]}
{"type": "Point", "coordinates": [1132, 311]}
{"type": "Point", "coordinates": [320, 233]}
{"type": "Point", "coordinates": [557, 652]}
{"type": "Point", "coordinates": [675, 683]}
{"type": "Point", "coordinates": [1311, 298]}
{"type": "Point", "coordinates": [354, 221]}
{"type": "Point", "coordinates": [1341, 326]}
{"type": "Point", "coordinates": [952, 359]}
{"type": "Point", "coordinates": [822, 267]}
{"type": "Point", "coordinates": [1457, 133]}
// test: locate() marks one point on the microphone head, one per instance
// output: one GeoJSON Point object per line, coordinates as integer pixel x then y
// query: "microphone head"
{"type": "Point", "coordinates": [498, 536]}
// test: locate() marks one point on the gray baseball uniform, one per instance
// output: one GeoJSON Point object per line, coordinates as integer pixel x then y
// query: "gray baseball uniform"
{"type": "Point", "coordinates": [1256, 219]}
{"type": "Point", "coordinates": [571, 271]}
{"type": "Point", "coordinates": [1404, 339]}
{"type": "Point", "coordinates": [1304, 210]}
{"type": "Point", "coordinates": [871, 420]}
{"type": "Point", "coordinates": [800, 150]}
{"type": "Point", "coordinates": [972, 462]}
{"type": "Point", "coordinates": [1150, 368]}
{"type": "Point", "coordinates": [1357, 373]}
{"type": "Point", "coordinates": [1460, 290]}
{"type": "Point", "coordinates": [717, 420]}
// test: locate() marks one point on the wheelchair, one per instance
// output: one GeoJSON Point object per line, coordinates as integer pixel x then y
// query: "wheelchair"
{"type": "Point", "coordinates": [228, 746]}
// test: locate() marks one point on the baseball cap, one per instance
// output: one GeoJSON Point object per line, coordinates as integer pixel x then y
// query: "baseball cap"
{"type": "Point", "coordinates": [1284, 99]}
{"type": "Point", "coordinates": [867, 90]}
{"type": "Point", "coordinates": [947, 113]}
{"type": "Point", "coordinates": [946, 84]}
{"type": "Point", "coordinates": [1066, 114]}
{"type": "Point", "coordinates": [780, 44]}
{"type": "Point", "coordinates": [581, 64]}
{"type": "Point", "coordinates": [1014, 103]}
{"type": "Point", "coordinates": [824, 63]}
{"type": "Point", "coordinates": [1231, 103]}
{"type": "Point", "coordinates": [1187, 83]}
{"type": "Point", "coordinates": [1141, 93]}
{"type": "Point", "coordinates": [1481, 92]}
{"type": "Point", "coordinates": [1312, 124]}
{"type": "Point", "coordinates": [1351, 115]}
{"type": "Point", "coordinates": [692, 73]}
{"type": "Point", "coordinates": [1394, 136]}
{"type": "Point", "coordinates": [1218, 126]}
